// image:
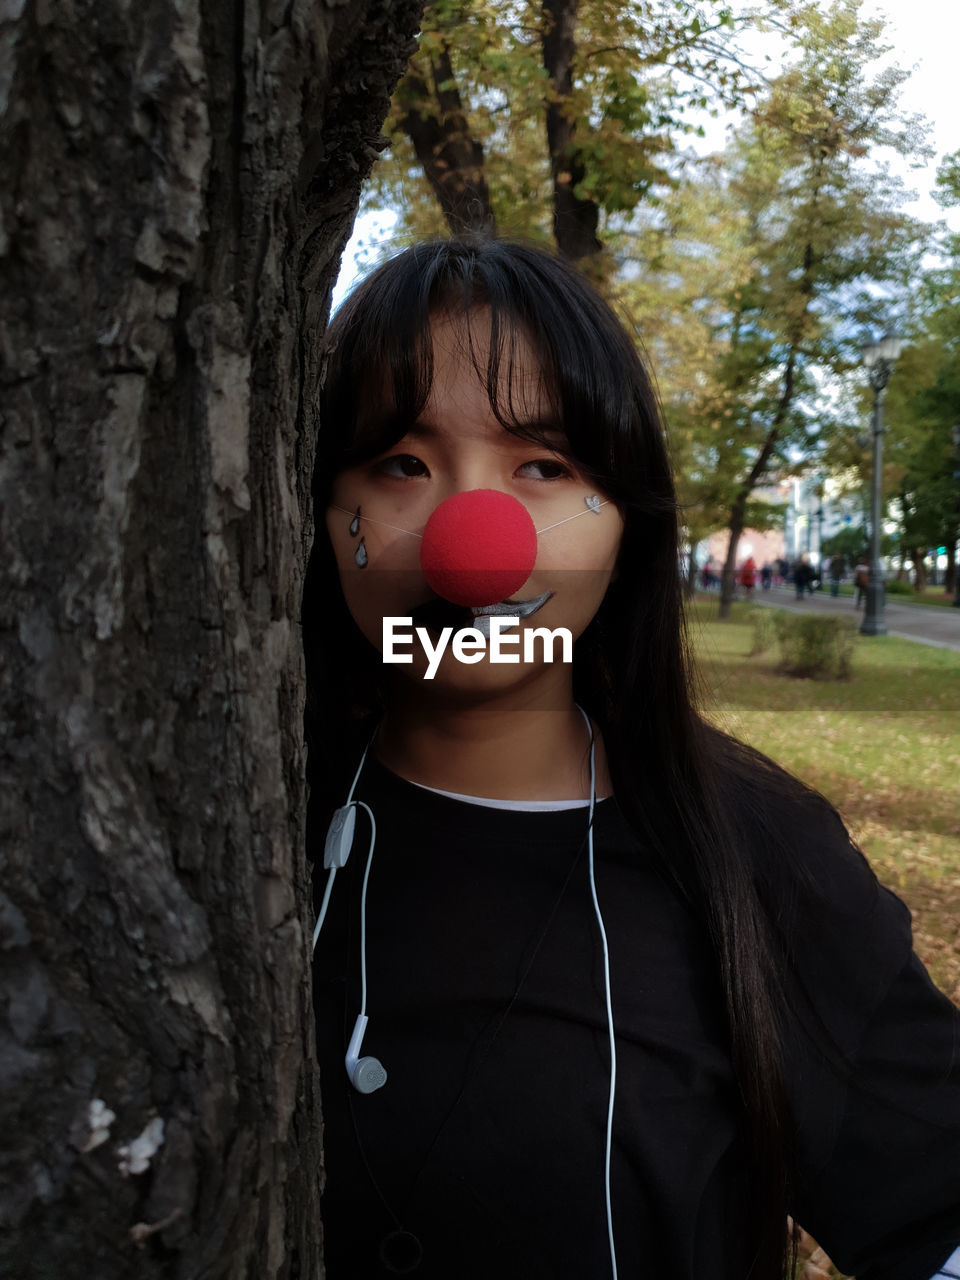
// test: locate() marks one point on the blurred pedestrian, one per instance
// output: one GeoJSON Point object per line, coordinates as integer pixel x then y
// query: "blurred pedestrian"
{"type": "Point", "coordinates": [838, 567]}
{"type": "Point", "coordinates": [861, 579]}
{"type": "Point", "coordinates": [803, 576]}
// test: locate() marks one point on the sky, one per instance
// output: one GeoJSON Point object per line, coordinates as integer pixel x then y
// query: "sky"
{"type": "Point", "coordinates": [925, 35]}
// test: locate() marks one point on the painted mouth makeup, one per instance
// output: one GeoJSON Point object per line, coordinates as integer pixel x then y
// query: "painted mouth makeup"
{"type": "Point", "coordinates": [506, 609]}
{"type": "Point", "coordinates": [437, 614]}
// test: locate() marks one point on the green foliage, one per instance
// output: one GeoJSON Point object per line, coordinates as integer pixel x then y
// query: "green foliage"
{"type": "Point", "coordinates": [815, 645]}
{"type": "Point", "coordinates": [639, 68]}
{"type": "Point", "coordinates": [764, 629]}
{"type": "Point", "coordinates": [850, 542]}
{"type": "Point", "coordinates": [948, 181]}
{"type": "Point", "coordinates": [897, 588]}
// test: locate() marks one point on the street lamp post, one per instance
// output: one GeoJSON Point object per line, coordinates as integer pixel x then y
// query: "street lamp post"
{"type": "Point", "coordinates": [820, 535]}
{"type": "Point", "coordinates": [879, 358]}
{"type": "Point", "coordinates": [955, 432]}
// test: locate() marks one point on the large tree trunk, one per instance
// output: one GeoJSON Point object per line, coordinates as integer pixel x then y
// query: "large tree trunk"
{"type": "Point", "coordinates": [919, 568]}
{"type": "Point", "coordinates": [180, 177]}
{"type": "Point", "coordinates": [435, 122]}
{"type": "Point", "coordinates": [728, 577]}
{"type": "Point", "coordinates": [738, 510]}
{"type": "Point", "coordinates": [737, 517]}
{"type": "Point", "coordinates": [575, 220]}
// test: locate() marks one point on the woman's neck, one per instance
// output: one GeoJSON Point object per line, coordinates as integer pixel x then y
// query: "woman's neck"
{"type": "Point", "coordinates": [499, 751]}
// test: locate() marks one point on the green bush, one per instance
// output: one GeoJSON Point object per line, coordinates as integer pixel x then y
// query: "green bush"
{"type": "Point", "coordinates": [817, 645]}
{"type": "Point", "coordinates": [898, 588]}
{"type": "Point", "coordinates": [764, 629]}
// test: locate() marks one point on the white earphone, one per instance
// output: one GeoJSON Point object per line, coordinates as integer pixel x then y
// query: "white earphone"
{"type": "Point", "coordinates": [365, 1074]}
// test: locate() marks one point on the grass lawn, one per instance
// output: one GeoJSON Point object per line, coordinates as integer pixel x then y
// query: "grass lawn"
{"type": "Point", "coordinates": [929, 595]}
{"type": "Point", "coordinates": [884, 747]}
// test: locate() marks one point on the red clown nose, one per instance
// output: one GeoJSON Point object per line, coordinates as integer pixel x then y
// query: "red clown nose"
{"type": "Point", "coordinates": [478, 547]}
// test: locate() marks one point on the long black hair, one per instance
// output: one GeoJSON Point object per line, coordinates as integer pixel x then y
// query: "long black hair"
{"type": "Point", "coordinates": [676, 779]}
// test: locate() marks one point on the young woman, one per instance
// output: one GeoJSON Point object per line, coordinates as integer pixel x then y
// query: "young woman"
{"type": "Point", "coordinates": [635, 996]}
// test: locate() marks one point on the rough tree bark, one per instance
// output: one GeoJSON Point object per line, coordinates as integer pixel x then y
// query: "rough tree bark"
{"type": "Point", "coordinates": [180, 177]}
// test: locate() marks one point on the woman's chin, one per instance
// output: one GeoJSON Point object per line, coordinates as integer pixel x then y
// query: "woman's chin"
{"type": "Point", "coordinates": [528, 683]}
{"type": "Point", "coordinates": [436, 614]}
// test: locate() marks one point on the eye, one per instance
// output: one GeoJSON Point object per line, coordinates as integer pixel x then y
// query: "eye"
{"type": "Point", "coordinates": [401, 466]}
{"type": "Point", "coordinates": [546, 469]}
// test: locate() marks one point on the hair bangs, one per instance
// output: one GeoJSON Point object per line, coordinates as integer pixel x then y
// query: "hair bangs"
{"type": "Point", "coordinates": [585, 369]}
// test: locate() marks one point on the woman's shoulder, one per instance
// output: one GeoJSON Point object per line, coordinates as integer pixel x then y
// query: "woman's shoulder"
{"type": "Point", "coordinates": [791, 831]}
{"type": "Point", "coordinates": [843, 934]}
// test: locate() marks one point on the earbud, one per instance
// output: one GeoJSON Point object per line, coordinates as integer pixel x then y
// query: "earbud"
{"type": "Point", "coordinates": [365, 1074]}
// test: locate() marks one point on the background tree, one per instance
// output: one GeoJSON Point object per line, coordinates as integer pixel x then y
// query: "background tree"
{"type": "Point", "coordinates": [806, 229]}
{"type": "Point", "coordinates": [930, 409]}
{"type": "Point", "coordinates": [430, 111]}
{"type": "Point", "coordinates": [922, 406]}
{"type": "Point", "coordinates": [179, 181]}
{"type": "Point", "coordinates": [920, 462]}
{"type": "Point", "coordinates": [850, 542]}
{"type": "Point", "coordinates": [549, 118]}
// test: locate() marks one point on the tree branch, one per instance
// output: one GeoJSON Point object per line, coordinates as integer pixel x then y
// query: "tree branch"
{"type": "Point", "coordinates": [436, 124]}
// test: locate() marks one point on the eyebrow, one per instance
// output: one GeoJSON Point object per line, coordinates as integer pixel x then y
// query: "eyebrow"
{"type": "Point", "coordinates": [425, 429]}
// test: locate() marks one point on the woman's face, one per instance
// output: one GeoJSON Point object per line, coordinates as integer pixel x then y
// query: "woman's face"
{"type": "Point", "coordinates": [456, 445]}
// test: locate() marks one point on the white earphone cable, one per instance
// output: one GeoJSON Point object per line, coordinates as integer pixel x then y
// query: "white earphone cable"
{"type": "Point", "coordinates": [609, 1003]}
{"type": "Point", "coordinates": [332, 874]}
{"type": "Point", "coordinates": [363, 912]}
{"type": "Point", "coordinates": [356, 776]}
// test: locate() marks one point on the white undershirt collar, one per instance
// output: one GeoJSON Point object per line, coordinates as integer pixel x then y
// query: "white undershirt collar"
{"type": "Point", "coordinates": [524, 806]}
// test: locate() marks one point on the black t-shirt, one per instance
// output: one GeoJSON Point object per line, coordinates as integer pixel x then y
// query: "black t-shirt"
{"type": "Point", "coordinates": [486, 1007]}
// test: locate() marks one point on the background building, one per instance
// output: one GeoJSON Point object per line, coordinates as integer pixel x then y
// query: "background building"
{"type": "Point", "coordinates": [815, 508]}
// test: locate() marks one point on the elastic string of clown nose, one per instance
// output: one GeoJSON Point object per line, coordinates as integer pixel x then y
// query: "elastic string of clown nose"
{"type": "Point", "coordinates": [594, 503]}
{"type": "Point", "coordinates": [478, 547]}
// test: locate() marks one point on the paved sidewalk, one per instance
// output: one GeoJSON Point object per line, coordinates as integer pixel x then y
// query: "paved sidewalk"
{"type": "Point", "coordinates": [927, 624]}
